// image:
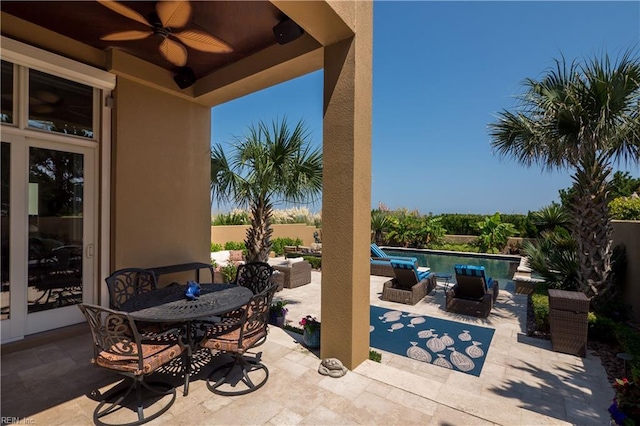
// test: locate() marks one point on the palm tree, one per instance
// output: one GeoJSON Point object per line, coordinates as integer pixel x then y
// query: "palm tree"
{"type": "Point", "coordinates": [581, 117]}
{"type": "Point", "coordinates": [379, 224]}
{"type": "Point", "coordinates": [270, 164]}
{"type": "Point", "coordinates": [550, 217]}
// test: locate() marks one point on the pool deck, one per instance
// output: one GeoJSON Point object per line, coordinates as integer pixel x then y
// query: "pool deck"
{"type": "Point", "coordinates": [523, 382]}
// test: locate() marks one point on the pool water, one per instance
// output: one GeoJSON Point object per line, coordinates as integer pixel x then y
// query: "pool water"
{"type": "Point", "coordinates": [443, 263]}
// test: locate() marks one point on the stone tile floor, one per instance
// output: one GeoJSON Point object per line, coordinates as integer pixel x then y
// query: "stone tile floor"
{"type": "Point", "coordinates": [523, 381]}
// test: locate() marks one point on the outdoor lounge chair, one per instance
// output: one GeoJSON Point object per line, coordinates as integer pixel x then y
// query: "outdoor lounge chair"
{"type": "Point", "coordinates": [381, 262]}
{"type": "Point", "coordinates": [409, 285]}
{"type": "Point", "coordinates": [474, 292]}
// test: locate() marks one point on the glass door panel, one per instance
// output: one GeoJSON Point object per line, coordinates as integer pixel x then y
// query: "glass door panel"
{"type": "Point", "coordinates": [55, 226]}
{"type": "Point", "coordinates": [5, 230]}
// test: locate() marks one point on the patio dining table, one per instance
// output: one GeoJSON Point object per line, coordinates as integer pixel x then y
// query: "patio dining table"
{"type": "Point", "coordinates": [170, 305]}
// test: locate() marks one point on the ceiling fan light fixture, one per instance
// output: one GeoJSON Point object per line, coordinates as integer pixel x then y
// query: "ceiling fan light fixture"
{"type": "Point", "coordinates": [185, 77]}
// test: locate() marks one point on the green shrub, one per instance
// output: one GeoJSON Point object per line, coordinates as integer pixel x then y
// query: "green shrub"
{"type": "Point", "coordinates": [625, 208]}
{"type": "Point", "coordinates": [315, 261]}
{"type": "Point", "coordinates": [234, 245]}
{"type": "Point", "coordinates": [375, 356]}
{"type": "Point", "coordinates": [601, 328]}
{"type": "Point", "coordinates": [629, 338]}
{"type": "Point", "coordinates": [457, 247]}
{"type": "Point", "coordinates": [216, 247]}
{"type": "Point", "coordinates": [541, 311]}
{"type": "Point", "coordinates": [277, 244]}
{"type": "Point", "coordinates": [233, 218]}
{"type": "Point", "coordinates": [293, 328]}
{"type": "Point", "coordinates": [229, 272]}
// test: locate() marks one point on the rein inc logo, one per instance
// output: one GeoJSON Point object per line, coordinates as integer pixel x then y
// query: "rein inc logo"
{"type": "Point", "coordinates": [17, 421]}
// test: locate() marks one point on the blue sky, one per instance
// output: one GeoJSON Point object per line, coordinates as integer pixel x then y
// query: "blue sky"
{"type": "Point", "coordinates": [441, 71]}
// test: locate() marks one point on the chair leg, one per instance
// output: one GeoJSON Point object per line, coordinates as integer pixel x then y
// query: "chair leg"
{"type": "Point", "coordinates": [186, 360]}
{"type": "Point", "coordinates": [246, 366]}
{"type": "Point", "coordinates": [121, 394]}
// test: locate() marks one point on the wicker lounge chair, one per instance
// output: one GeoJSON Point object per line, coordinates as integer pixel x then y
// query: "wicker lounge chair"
{"type": "Point", "coordinates": [409, 285]}
{"type": "Point", "coordinates": [296, 272]}
{"type": "Point", "coordinates": [474, 293]}
{"type": "Point", "coordinates": [381, 262]}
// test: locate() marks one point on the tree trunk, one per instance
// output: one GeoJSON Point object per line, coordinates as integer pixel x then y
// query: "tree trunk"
{"type": "Point", "coordinates": [259, 234]}
{"type": "Point", "coordinates": [591, 226]}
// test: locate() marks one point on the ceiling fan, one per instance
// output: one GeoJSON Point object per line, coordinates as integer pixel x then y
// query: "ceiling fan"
{"type": "Point", "coordinates": [46, 102]}
{"type": "Point", "coordinates": [169, 16]}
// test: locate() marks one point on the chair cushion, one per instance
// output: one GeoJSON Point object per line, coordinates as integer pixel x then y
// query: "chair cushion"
{"type": "Point", "coordinates": [377, 251]}
{"type": "Point", "coordinates": [423, 275]}
{"type": "Point", "coordinates": [229, 342]}
{"type": "Point", "coordinates": [153, 356]}
{"type": "Point", "coordinates": [403, 264]}
{"type": "Point", "coordinates": [235, 256]}
{"type": "Point", "coordinates": [470, 270]}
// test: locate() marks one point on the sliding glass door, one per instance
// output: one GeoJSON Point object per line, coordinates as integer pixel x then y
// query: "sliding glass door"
{"type": "Point", "coordinates": [48, 233]}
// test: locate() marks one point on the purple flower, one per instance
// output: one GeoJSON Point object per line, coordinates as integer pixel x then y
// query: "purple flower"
{"type": "Point", "coordinates": [616, 414]}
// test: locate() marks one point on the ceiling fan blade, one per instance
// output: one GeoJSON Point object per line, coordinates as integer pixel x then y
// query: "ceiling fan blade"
{"type": "Point", "coordinates": [126, 35]}
{"type": "Point", "coordinates": [42, 109]}
{"type": "Point", "coordinates": [174, 14]}
{"type": "Point", "coordinates": [203, 41]}
{"type": "Point", "coordinates": [47, 97]}
{"type": "Point", "coordinates": [173, 52]}
{"type": "Point", "coordinates": [124, 11]}
{"type": "Point", "coordinates": [33, 101]}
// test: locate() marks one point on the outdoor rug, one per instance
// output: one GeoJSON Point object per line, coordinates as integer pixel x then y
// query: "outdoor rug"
{"type": "Point", "coordinates": [449, 344]}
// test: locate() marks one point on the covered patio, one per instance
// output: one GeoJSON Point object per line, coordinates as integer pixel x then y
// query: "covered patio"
{"type": "Point", "coordinates": [146, 156]}
{"type": "Point", "coordinates": [523, 381]}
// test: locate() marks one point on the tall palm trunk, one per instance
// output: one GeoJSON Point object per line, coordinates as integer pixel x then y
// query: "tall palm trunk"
{"type": "Point", "coordinates": [259, 234]}
{"type": "Point", "coordinates": [591, 225]}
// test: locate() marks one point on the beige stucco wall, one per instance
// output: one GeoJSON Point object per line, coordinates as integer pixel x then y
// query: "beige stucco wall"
{"type": "Point", "coordinates": [627, 232]}
{"type": "Point", "coordinates": [160, 178]}
{"type": "Point", "coordinates": [223, 233]}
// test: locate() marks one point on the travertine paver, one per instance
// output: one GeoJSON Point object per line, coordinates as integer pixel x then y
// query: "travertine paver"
{"type": "Point", "coordinates": [522, 382]}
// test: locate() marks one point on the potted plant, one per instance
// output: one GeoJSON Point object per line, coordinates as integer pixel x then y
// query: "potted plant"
{"type": "Point", "coordinates": [311, 332]}
{"type": "Point", "coordinates": [278, 313]}
{"type": "Point", "coordinates": [625, 409]}
{"type": "Point", "coordinates": [229, 272]}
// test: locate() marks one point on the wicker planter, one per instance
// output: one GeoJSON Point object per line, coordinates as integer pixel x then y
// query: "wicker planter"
{"type": "Point", "coordinates": [568, 313]}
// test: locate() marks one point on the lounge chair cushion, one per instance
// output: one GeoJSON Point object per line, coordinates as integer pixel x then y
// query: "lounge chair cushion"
{"type": "Point", "coordinates": [403, 264]}
{"type": "Point", "coordinates": [474, 271]}
{"type": "Point", "coordinates": [423, 275]}
{"type": "Point", "coordinates": [377, 252]}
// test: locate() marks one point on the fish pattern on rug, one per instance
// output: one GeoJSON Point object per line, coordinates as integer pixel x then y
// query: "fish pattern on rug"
{"type": "Point", "coordinates": [448, 344]}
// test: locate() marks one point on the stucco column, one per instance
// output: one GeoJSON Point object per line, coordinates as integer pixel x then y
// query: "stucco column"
{"type": "Point", "coordinates": [346, 203]}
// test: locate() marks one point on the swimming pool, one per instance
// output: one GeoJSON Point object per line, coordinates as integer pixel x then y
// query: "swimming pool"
{"type": "Point", "coordinates": [499, 268]}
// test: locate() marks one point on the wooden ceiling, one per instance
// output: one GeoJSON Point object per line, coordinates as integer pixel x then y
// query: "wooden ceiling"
{"type": "Point", "coordinates": [245, 25]}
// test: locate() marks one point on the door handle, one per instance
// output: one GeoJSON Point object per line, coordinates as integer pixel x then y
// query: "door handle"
{"type": "Point", "coordinates": [89, 251]}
